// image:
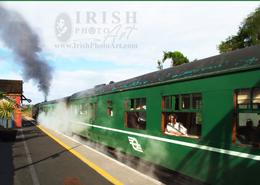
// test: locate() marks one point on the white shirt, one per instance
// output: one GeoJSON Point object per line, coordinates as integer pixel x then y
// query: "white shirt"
{"type": "Point", "coordinates": [177, 127]}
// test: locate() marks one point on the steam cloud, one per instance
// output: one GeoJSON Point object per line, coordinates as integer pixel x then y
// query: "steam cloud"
{"type": "Point", "coordinates": [24, 42]}
{"type": "Point", "coordinates": [64, 124]}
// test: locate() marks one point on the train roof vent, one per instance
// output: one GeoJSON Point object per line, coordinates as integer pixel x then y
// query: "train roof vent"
{"type": "Point", "coordinates": [100, 85]}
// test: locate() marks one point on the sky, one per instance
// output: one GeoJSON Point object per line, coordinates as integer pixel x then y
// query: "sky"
{"type": "Point", "coordinates": [100, 42]}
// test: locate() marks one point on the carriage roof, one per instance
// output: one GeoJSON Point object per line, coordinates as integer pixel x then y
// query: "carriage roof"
{"type": "Point", "coordinates": [238, 60]}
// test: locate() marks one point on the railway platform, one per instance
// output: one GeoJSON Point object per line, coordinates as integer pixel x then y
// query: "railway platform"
{"type": "Point", "coordinates": [40, 156]}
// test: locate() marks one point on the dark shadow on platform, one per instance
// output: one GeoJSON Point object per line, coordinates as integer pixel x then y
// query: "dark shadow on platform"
{"type": "Point", "coordinates": [28, 123]}
{"type": "Point", "coordinates": [28, 132]}
{"type": "Point", "coordinates": [53, 156]}
{"type": "Point", "coordinates": [6, 163]}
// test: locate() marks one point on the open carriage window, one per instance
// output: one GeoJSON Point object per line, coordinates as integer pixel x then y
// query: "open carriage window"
{"type": "Point", "coordinates": [186, 101]}
{"type": "Point", "coordinates": [181, 115]}
{"type": "Point", "coordinates": [247, 126]}
{"type": "Point", "coordinates": [109, 108]}
{"type": "Point", "coordinates": [83, 109]}
{"type": "Point", "coordinates": [248, 129]}
{"type": "Point", "coordinates": [135, 114]}
{"type": "Point", "coordinates": [87, 111]}
{"type": "Point", "coordinates": [196, 101]}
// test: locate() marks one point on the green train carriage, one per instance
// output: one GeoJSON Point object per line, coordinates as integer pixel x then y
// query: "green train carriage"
{"type": "Point", "coordinates": [214, 98]}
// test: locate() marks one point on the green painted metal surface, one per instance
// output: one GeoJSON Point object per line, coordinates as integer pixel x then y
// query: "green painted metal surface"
{"type": "Point", "coordinates": [214, 167]}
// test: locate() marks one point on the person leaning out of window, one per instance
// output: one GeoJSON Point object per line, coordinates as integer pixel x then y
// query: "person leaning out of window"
{"type": "Point", "coordinates": [175, 128]}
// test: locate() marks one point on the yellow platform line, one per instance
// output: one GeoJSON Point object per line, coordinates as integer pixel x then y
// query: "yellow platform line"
{"type": "Point", "coordinates": [83, 159]}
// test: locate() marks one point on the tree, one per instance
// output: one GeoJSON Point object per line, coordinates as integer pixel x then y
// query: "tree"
{"type": "Point", "coordinates": [159, 64]}
{"type": "Point", "coordinates": [176, 57]}
{"type": "Point", "coordinates": [247, 35]}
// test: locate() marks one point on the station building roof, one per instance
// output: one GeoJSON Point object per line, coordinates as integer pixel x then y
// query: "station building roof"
{"type": "Point", "coordinates": [234, 61]}
{"type": "Point", "coordinates": [11, 86]}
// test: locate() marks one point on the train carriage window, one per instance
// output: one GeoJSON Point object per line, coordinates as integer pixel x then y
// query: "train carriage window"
{"type": "Point", "coordinates": [248, 129]}
{"type": "Point", "coordinates": [196, 101]}
{"type": "Point", "coordinates": [170, 102]}
{"type": "Point", "coordinates": [74, 109]}
{"type": "Point", "coordinates": [185, 101]}
{"type": "Point", "coordinates": [185, 121]}
{"type": "Point", "coordinates": [247, 126]}
{"type": "Point", "coordinates": [135, 115]}
{"type": "Point", "coordinates": [167, 102]}
{"type": "Point", "coordinates": [83, 109]}
{"type": "Point", "coordinates": [177, 102]}
{"type": "Point", "coordinates": [132, 104]}
{"type": "Point", "coordinates": [87, 111]}
{"type": "Point", "coordinates": [256, 98]}
{"type": "Point", "coordinates": [243, 98]}
{"type": "Point", "coordinates": [109, 108]}
{"type": "Point", "coordinates": [92, 108]}
{"type": "Point", "coordinates": [140, 103]}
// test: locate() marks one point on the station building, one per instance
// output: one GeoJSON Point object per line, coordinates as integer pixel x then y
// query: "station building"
{"type": "Point", "coordinates": [13, 90]}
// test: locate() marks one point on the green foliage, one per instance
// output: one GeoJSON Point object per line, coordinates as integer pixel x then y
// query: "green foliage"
{"type": "Point", "coordinates": [27, 108]}
{"type": "Point", "coordinates": [176, 57]}
{"type": "Point", "coordinates": [159, 65]}
{"type": "Point", "coordinates": [1, 94]}
{"type": "Point", "coordinates": [247, 35]}
{"type": "Point", "coordinates": [6, 109]}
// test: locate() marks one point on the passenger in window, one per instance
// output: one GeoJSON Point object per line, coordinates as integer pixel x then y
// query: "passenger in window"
{"type": "Point", "coordinates": [258, 126]}
{"type": "Point", "coordinates": [141, 117]}
{"type": "Point", "coordinates": [141, 120]}
{"type": "Point", "coordinates": [136, 120]}
{"type": "Point", "coordinates": [246, 133]}
{"type": "Point", "coordinates": [175, 128]}
{"type": "Point", "coordinates": [257, 135]}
